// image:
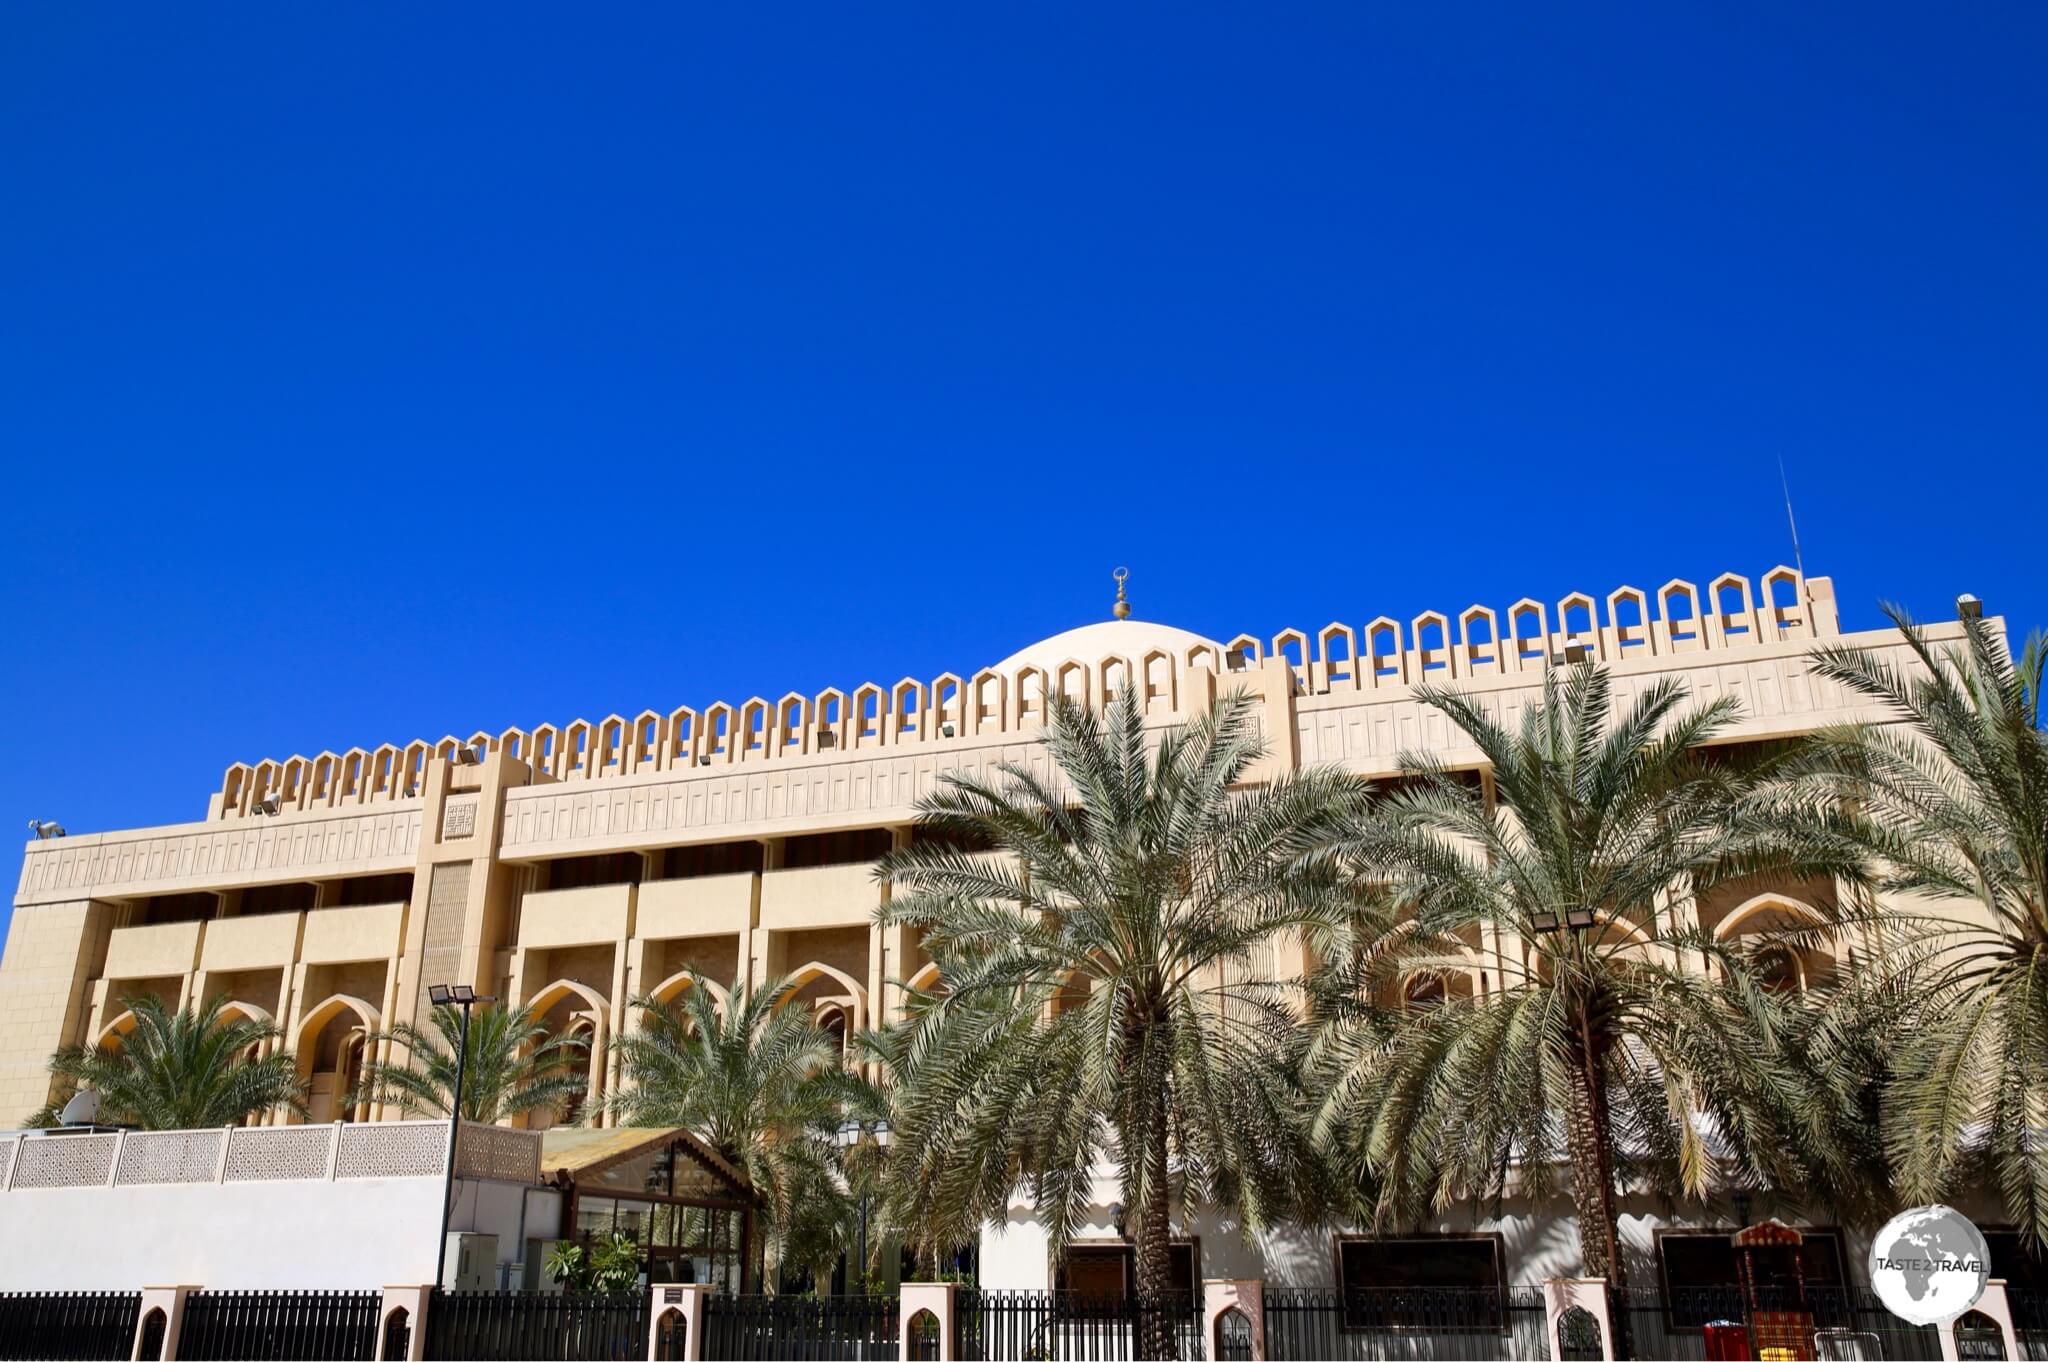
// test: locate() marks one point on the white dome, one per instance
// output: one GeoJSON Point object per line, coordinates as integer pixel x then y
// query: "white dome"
{"type": "Point", "coordinates": [1123, 638]}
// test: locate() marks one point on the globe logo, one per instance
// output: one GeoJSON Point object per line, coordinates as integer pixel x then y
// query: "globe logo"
{"type": "Point", "coordinates": [1928, 1265]}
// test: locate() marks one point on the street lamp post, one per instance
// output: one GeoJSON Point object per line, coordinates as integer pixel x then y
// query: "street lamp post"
{"type": "Point", "coordinates": [851, 1134]}
{"type": "Point", "coordinates": [464, 997]}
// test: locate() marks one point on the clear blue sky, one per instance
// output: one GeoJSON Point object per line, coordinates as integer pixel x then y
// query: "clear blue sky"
{"type": "Point", "coordinates": [372, 372]}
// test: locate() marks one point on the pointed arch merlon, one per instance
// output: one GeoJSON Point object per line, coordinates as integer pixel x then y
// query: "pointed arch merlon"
{"type": "Point", "coordinates": [1337, 657]}
{"type": "Point", "coordinates": [1386, 656]}
{"type": "Point", "coordinates": [1625, 635]}
{"type": "Point", "coordinates": [792, 735]}
{"type": "Point", "coordinates": [1680, 629]}
{"type": "Point", "coordinates": [1432, 655]}
{"type": "Point", "coordinates": [1785, 609]}
{"type": "Point", "coordinates": [1480, 656]}
{"type": "Point", "coordinates": [1245, 653]}
{"type": "Point", "coordinates": [870, 717]}
{"type": "Point", "coordinates": [1529, 633]}
{"type": "Point", "coordinates": [1731, 610]}
{"type": "Point", "coordinates": [948, 705]}
{"type": "Point", "coordinates": [989, 703]}
{"type": "Point", "coordinates": [830, 712]}
{"type": "Point", "coordinates": [1578, 624]}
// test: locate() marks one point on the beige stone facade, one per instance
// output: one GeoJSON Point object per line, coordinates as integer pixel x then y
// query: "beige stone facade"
{"type": "Point", "coordinates": [580, 865]}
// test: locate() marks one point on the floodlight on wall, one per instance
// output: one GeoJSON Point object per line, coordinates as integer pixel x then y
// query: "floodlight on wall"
{"type": "Point", "coordinates": [44, 830]}
{"type": "Point", "coordinates": [1575, 653]}
{"type": "Point", "coordinates": [945, 730]}
{"type": "Point", "coordinates": [827, 738]}
{"type": "Point", "coordinates": [1969, 607]}
{"type": "Point", "coordinates": [704, 760]}
{"type": "Point", "coordinates": [269, 804]}
{"type": "Point", "coordinates": [466, 755]}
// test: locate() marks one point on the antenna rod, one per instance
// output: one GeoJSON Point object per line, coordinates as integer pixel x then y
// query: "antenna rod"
{"type": "Point", "coordinates": [1797, 562]}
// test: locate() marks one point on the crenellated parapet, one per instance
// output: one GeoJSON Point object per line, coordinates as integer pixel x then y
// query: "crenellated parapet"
{"type": "Point", "coordinates": [1174, 672]}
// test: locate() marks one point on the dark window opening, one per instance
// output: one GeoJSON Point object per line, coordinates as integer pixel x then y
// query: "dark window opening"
{"type": "Point", "coordinates": [712, 858]}
{"type": "Point", "coordinates": [836, 848]}
{"type": "Point", "coordinates": [586, 872]}
{"type": "Point", "coordinates": [1108, 1272]}
{"type": "Point", "coordinates": [276, 898]}
{"type": "Point", "coordinates": [1702, 1282]}
{"type": "Point", "coordinates": [1408, 1283]}
{"type": "Point", "coordinates": [173, 908]}
{"type": "Point", "coordinates": [360, 891]}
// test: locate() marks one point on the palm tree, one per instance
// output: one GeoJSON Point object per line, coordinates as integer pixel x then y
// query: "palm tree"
{"type": "Point", "coordinates": [183, 1069]}
{"type": "Point", "coordinates": [513, 1065]}
{"type": "Point", "coordinates": [1099, 1000]}
{"type": "Point", "coordinates": [1599, 1030]}
{"type": "Point", "coordinates": [1956, 794]}
{"type": "Point", "coordinates": [754, 1076]}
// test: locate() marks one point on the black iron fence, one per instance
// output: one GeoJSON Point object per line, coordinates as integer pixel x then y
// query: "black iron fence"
{"type": "Point", "coordinates": [1434, 1324]}
{"type": "Point", "coordinates": [288, 1325]}
{"type": "Point", "coordinates": [1031, 1325]}
{"type": "Point", "coordinates": [1833, 1324]}
{"type": "Point", "coordinates": [802, 1328]}
{"type": "Point", "coordinates": [1399, 1325]}
{"type": "Point", "coordinates": [65, 1325]}
{"type": "Point", "coordinates": [2030, 1322]}
{"type": "Point", "coordinates": [485, 1326]}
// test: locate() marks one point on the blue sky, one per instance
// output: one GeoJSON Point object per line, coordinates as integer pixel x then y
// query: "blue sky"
{"type": "Point", "coordinates": [369, 372]}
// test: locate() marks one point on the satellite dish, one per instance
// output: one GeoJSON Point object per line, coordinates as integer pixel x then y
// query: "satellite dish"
{"type": "Point", "coordinates": [81, 1110]}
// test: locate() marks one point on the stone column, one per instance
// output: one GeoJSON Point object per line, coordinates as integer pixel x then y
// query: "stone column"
{"type": "Point", "coordinates": [413, 1300]}
{"type": "Point", "coordinates": [938, 1299]}
{"type": "Point", "coordinates": [686, 1300]}
{"type": "Point", "coordinates": [1560, 1295]}
{"type": "Point", "coordinates": [1996, 1306]}
{"type": "Point", "coordinates": [170, 1300]}
{"type": "Point", "coordinates": [1248, 1298]}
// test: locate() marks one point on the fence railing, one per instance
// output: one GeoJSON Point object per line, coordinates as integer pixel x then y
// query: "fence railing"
{"type": "Point", "coordinates": [484, 1326]}
{"type": "Point", "coordinates": [1845, 1324]}
{"type": "Point", "coordinates": [2030, 1321]}
{"type": "Point", "coordinates": [66, 1325]}
{"type": "Point", "coordinates": [1411, 1325]}
{"type": "Point", "coordinates": [1454, 1324]}
{"type": "Point", "coordinates": [1067, 1325]}
{"type": "Point", "coordinates": [287, 1325]}
{"type": "Point", "coordinates": [801, 1328]}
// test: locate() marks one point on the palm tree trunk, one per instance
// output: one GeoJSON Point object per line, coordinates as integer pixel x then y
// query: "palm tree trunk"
{"type": "Point", "coordinates": [1589, 1137]}
{"type": "Point", "coordinates": [1155, 1332]}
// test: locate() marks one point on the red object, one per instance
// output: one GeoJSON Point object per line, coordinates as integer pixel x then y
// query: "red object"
{"type": "Point", "coordinates": [1726, 1342]}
